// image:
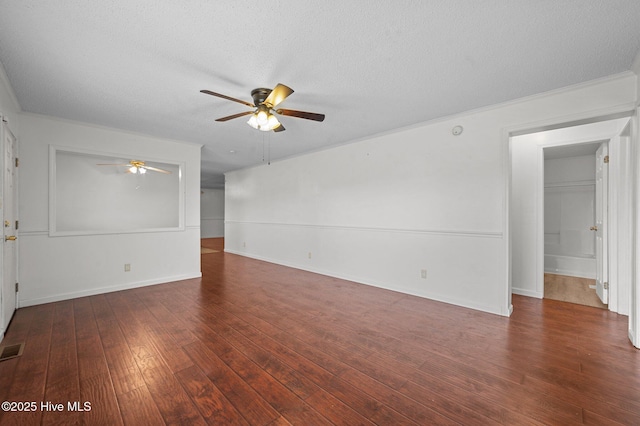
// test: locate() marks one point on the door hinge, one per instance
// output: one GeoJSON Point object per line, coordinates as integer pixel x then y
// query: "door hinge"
{"type": "Point", "coordinates": [17, 162]}
{"type": "Point", "coordinates": [606, 159]}
{"type": "Point", "coordinates": [17, 285]}
{"type": "Point", "coordinates": [606, 285]}
{"type": "Point", "coordinates": [17, 224]}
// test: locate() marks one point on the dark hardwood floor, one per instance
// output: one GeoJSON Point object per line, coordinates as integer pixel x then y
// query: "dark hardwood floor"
{"type": "Point", "coordinates": [254, 343]}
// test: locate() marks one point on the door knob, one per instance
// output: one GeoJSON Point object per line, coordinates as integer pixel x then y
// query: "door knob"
{"type": "Point", "coordinates": [10, 238]}
{"type": "Point", "coordinates": [593, 228]}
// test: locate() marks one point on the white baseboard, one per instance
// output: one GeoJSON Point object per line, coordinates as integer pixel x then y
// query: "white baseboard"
{"type": "Point", "coordinates": [570, 273]}
{"type": "Point", "coordinates": [102, 290]}
{"type": "Point", "coordinates": [360, 280]}
{"type": "Point", "coordinates": [528, 293]}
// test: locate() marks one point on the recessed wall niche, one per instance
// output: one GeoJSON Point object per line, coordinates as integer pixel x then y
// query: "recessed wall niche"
{"type": "Point", "coordinates": [87, 198]}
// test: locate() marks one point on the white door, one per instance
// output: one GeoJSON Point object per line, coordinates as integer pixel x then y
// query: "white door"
{"type": "Point", "coordinates": [602, 256]}
{"type": "Point", "coordinates": [9, 239]}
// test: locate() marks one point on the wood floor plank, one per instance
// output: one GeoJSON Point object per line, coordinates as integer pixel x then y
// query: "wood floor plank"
{"type": "Point", "coordinates": [122, 367]}
{"type": "Point", "coordinates": [244, 398]}
{"type": "Point", "coordinates": [283, 399]}
{"type": "Point", "coordinates": [28, 382]}
{"type": "Point", "coordinates": [172, 401]}
{"type": "Point", "coordinates": [421, 413]}
{"type": "Point", "coordinates": [90, 354]}
{"type": "Point", "coordinates": [98, 391]}
{"type": "Point", "coordinates": [20, 326]}
{"type": "Point", "coordinates": [254, 343]}
{"type": "Point", "coordinates": [335, 410]}
{"type": "Point", "coordinates": [138, 408]}
{"type": "Point", "coordinates": [211, 402]}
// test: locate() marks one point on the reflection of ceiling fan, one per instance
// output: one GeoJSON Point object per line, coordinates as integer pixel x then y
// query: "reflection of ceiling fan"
{"type": "Point", "coordinates": [264, 102]}
{"type": "Point", "coordinates": [137, 167]}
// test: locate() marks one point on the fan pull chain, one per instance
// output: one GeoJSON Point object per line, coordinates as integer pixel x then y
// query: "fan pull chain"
{"type": "Point", "coordinates": [268, 146]}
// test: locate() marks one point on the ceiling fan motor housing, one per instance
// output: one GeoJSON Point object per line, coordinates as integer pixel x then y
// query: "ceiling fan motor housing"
{"type": "Point", "coordinates": [259, 95]}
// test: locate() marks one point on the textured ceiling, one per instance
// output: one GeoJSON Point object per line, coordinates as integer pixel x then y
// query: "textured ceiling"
{"type": "Point", "coordinates": [370, 66]}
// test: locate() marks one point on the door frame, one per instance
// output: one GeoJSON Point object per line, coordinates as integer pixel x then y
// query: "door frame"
{"type": "Point", "coordinates": [604, 210]}
{"type": "Point", "coordinates": [620, 111]}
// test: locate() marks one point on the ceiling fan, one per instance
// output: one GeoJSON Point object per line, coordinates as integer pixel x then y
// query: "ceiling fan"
{"type": "Point", "coordinates": [138, 167]}
{"type": "Point", "coordinates": [265, 102]}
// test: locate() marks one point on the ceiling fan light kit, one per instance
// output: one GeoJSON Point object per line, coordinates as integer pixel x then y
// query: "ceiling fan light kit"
{"type": "Point", "coordinates": [264, 102]}
{"type": "Point", "coordinates": [138, 167]}
{"type": "Point", "coordinates": [263, 120]}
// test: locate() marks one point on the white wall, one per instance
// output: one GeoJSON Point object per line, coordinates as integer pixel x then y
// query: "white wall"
{"type": "Point", "coordinates": [569, 170]}
{"type": "Point", "coordinates": [212, 213]}
{"type": "Point", "coordinates": [527, 182]}
{"type": "Point", "coordinates": [55, 268]}
{"type": "Point", "coordinates": [380, 210]}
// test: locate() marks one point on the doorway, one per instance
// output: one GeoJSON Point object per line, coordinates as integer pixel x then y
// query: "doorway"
{"type": "Point", "coordinates": [527, 233]}
{"type": "Point", "coordinates": [574, 225]}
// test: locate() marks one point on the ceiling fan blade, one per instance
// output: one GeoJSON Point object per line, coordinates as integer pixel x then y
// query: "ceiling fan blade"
{"type": "Point", "coordinates": [157, 170]}
{"type": "Point", "coordinates": [231, 117]}
{"type": "Point", "coordinates": [301, 114]}
{"type": "Point", "coordinates": [280, 128]}
{"type": "Point", "coordinates": [209, 92]}
{"type": "Point", "coordinates": [277, 95]}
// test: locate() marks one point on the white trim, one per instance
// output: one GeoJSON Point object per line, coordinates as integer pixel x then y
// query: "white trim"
{"type": "Point", "coordinates": [634, 314]}
{"type": "Point", "coordinates": [614, 152]}
{"type": "Point", "coordinates": [635, 66]}
{"type": "Point", "coordinates": [570, 273]}
{"type": "Point", "coordinates": [107, 289]}
{"type": "Point", "coordinates": [182, 202]}
{"type": "Point", "coordinates": [578, 184]}
{"type": "Point", "coordinates": [594, 116]}
{"type": "Point", "coordinates": [505, 152]}
{"type": "Point", "coordinates": [528, 293]}
{"type": "Point", "coordinates": [617, 111]}
{"type": "Point", "coordinates": [457, 232]}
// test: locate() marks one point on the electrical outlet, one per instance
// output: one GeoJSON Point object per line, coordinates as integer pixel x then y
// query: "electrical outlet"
{"type": "Point", "coordinates": [423, 273]}
{"type": "Point", "coordinates": [127, 267]}
{"type": "Point", "coordinates": [244, 244]}
{"type": "Point", "coordinates": [309, 255]}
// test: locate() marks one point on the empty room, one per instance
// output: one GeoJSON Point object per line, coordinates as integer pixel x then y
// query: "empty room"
{"type": "Point", "coordinates": [299, 213]}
